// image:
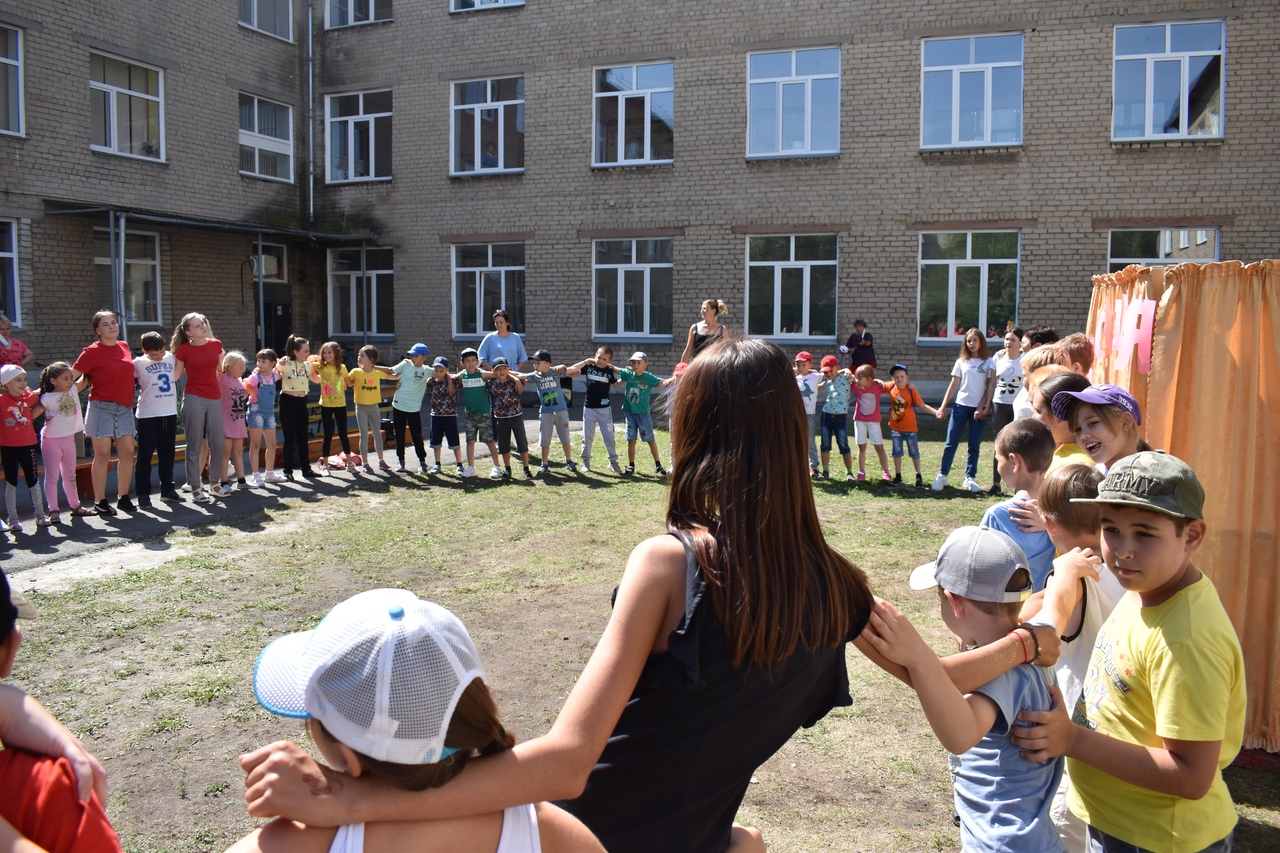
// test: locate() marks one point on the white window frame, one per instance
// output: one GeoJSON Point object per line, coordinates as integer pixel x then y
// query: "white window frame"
{"type": "Point", "coordinates": [255, 14]}
{"type": "Point", "coordinates": [482, 5]}
{"type": "Point", "coordinates": [372, 275]}
{"type": "Point", "coordinates": [369, 7]}
{"type": "Point", "coordinates": [621, 97]}
{"type": "Point", "coordinates": [778, 82]}
{"type": "Point", "coordinates": [984, 264]}
{"type": "Point", "coordinates": [1165, 252]}
{"type": "Point", "coordinates": [154, 237]}
{"type": "Point", "coordinates": [471, 112]}
{"type": "Point", "coordinates": [14, 66]}
{"type": "Point", "coordinates": [986, 68]}
{"type": "Point", "coordinates": [646, 331]}
{"type": "Point", "coordinates": [113, 107]}
{"type": "Point", "coordinates": [350, 123]}
{"type": "Point", "coordinates": [263, 142]}
{"type": "Point", "coordinates": [12, 304]}
{"type": "Point", "coordinates": [778, 266]}
{"type": "Point", "coordinates": [276, 251]}
{"type": "Point", "coordinates": [507, 289]}
{"type": "Point", "coordinates": [1183, 88]}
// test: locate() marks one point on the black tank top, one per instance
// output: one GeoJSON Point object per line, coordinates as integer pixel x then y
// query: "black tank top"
{"type": "Point", "coordinates": [701, 341]}
{"type": "Point", "coordinates": [680, 759]}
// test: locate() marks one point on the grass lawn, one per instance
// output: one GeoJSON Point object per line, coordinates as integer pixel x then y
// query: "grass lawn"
{"type": "Point", "coordinates": [153, 667]}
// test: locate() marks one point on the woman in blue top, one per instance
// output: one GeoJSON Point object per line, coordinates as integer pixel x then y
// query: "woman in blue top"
{"type": "Point", "coordinates": [504, 342]}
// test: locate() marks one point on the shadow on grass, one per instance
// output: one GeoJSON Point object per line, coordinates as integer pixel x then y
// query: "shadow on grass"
{"type": "Point", "coordinates": [1256, 794]}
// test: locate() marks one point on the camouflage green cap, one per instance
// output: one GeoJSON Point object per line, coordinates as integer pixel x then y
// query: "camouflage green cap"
{"type": "Point", "coordinates": [1154, 481]}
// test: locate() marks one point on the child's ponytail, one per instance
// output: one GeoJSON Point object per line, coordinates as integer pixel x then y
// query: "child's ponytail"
{"type": "Point", "coordinates": [50, 373]}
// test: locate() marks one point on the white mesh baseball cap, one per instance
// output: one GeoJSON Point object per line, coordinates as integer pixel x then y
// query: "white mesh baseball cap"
{"type": "Point", "coordinates": [383, 672]}
{"type": "Point", "coordinates": [976, 563]}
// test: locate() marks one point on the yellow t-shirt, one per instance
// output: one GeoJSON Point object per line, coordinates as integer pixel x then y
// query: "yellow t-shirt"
{"type": "Point", "coordinates": [1170, 671]}
{"type": "Point", "coordinates": [368, 386]}
{"type": "Point", "coordinates": [333, 385]}
{"type": "Point", "coordinates": [295, 376]}
{"type": "Point", "coordinates": [1066, 455]}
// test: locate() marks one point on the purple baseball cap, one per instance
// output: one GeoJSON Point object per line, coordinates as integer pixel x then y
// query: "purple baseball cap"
{"type": "Point", "coordinates": [1097, 395]}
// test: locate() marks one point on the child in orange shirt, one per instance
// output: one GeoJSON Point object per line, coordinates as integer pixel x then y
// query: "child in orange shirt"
{"type": "Point", "coordinates": [903, 398]}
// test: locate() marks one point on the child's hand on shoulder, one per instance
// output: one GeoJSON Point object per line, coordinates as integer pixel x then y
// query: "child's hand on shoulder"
{"type": "Point", "coordinates": [895, 637]}
{"type": "Point", "coordinates": [1026, 514]}
{"type": "Point", "coordinates": [1074, 565]}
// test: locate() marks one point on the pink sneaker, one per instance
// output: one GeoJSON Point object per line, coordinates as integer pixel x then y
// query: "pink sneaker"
{"type": "Point", "coordinates": [886, 476]}
{"type": "Point", "coordinates": [862, 475]}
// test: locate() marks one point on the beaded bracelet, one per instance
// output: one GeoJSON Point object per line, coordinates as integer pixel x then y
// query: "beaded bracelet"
{"type": "Point", "coordinates": [1031, 630]}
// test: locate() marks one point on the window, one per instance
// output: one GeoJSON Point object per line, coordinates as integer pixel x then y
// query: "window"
{"type": "Point", "coordinates": [349, 13]}
{"type": "Point", "coordinates": [127, 107]}
{"type": "Point", "coordinates": [486, 277]}
{"type": "Point", "coordinates": [971, 92]}
{"type": "Point", "coordinates": [11, 82]}
{"type": "Point", "coordinates": [359, 136]}
{"type": "Point", "coordinates": [273, 261]}
{"type": "Point", "coordinates": [268, 16]}
{"type": "Point", "coordinates": [967, 281]}
{"type": "Point", "coordinates": [488, 126]}
{"type": "Point", "coordinates": [634, 106]}
{"type": "Point", "coordinates": [266, 139]}
{"type": "Point", "coordinates": [793, 103]}
{"type": "Point", "coordinates": [633, 287]}
{"type": "Point", "coordinates": [141, 275]}
{"type": "Point", "coordinates": [791, 286]}
{"type": "Point", "coordinates": [9, 269]}
{"type": "Point", "coordinates": [1155, 247]}
{"type": "Point", "coordinates": [361, 291]}
{"type": "Point", "coordinates": [1168, 81]}
{"type": "Point", "coordinates": [472, 5]}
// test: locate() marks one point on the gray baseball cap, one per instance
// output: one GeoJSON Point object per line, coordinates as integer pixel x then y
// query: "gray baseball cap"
{"type": "Point", "coordinates": [976, 563]}
{"type": "Point", "coordinates": [1154, 481]}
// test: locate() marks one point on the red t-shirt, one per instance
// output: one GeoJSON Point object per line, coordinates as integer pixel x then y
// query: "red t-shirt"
{"type": "Point", "coordinates": [41, 802]}
{"type": "Point", "coordinates": [202, 364]}
{"type": "Point", "coordinates": [17, 427]}
{"type": "Point", "coordinates": [110, 372]}
{"type": "Point", "coordinates": [14, 352]}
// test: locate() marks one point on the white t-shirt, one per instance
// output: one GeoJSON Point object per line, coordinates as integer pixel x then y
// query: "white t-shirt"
{"type": "Point", "coordinates": [1101, 597]}
{"type": "Point", "coordinates": [159, 396]}
{"type": "Point", "coordinates": [973, 380]}
{"type": "Point", "coordinates": [1008, 378]}
{"type": "Point", "coordinates": [62, 414]}
{"type": "Point", "coordinates": [1022, 407]}
{"type": "Point", "coordinates": [808, 385]}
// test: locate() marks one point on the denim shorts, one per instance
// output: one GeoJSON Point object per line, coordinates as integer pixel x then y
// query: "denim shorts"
{"type": "Point", "coordinates": [641, 424]}
{"type": "Point", "coordinates": [109, 420]}
{"type": "Point", "coordinates": [837, 427]}
{"type": "Point", "coordinates": [256, 419]}
{"type": "Point", "coordinates": [907, 438]}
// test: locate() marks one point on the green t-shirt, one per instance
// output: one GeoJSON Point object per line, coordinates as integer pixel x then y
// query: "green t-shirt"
{"type": "Point", "coordinates": [475, 392]}
{"type": "Point", "coordinates": [635, 394]}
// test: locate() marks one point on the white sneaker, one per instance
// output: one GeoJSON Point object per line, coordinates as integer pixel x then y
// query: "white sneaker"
{"type": "Point", "coordinates": [496, 473]}
{"type": "Point", "coordinates": [258, 480]}
{"type": "Point", "coordinates": [273, 477]}
{"type": "Point", "coordinates": [972, 485]}
{"type": "Point", "coordinates": [940, 483]}
{"type": "Point", "coordinates": [469, 471]}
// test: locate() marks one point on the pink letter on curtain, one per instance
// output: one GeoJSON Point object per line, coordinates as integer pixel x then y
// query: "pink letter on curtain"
{"type": "Point", "coordinates": [1133, 324]}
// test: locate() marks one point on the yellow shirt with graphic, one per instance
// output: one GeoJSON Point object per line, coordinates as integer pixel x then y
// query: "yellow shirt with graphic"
{"type": "Point", "coordinates": [333, 385]}
{"type": "Point", "coordinates": [368, 386]}
{"type": "Point", "coordinates": [1173, 671]}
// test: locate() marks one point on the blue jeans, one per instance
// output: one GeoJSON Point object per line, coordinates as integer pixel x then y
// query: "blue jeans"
{"type": "Point", "coordinates": [1100, 842]}
{"type": "Point", "coordinates": [962, 417]}
{"type": "Point", "coordinates": [837, 425]}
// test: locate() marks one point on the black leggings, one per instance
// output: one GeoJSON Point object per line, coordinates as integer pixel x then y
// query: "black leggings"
{"type": "Point", "coordinates": [413, 420]}
{"type": "Point", "coordinates": [24, 457]}
{"type": "Point", "coordinates": [293, 420]}
{"type": "Point", "coordinates": [508, 427]}
{"type": "Point", "coordinates": [329, 415]}
{"type": "Point", "coordinates": [1001, 417]}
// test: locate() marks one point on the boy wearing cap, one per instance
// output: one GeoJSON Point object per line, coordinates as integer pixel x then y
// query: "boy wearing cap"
{"type": "Point", "coordinates": [638, 383]}
{"type": "Point", "coordinates": [1002, 798]}
{"type": "Point", "coordinates": [553, 412]}
{"type": "Point", "coordinates": [597, 411]}
{"type": "Point", "coordinates": [808, 382]}
{"type": "Point", "coordinates": [1162, 708]}
{"type": "Point", "coordinates": [479, 412]}
{"type": "Point", "coordinates": [406, 405]}
{"type": "Point", "coordinates": [835, 414]}
{"type": "Point", "coordinates": [444, 413]}
{"type": "Point", "coordinates": [508, 416]}
{"type": "Point", "coordinates": [53, 789]}
{"type": "Point", "coordinates": [903, 400]}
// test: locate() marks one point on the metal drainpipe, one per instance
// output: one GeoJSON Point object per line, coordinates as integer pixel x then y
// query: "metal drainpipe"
{"type": "Point", "coordinates": [122, 316]}
{"type": "Point", "coordinates": [262, 305]}
{"type": "Point", "coordinates": [311, 117]}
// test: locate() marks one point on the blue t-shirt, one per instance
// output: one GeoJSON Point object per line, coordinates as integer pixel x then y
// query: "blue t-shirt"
{"type": "Point", "coordinates": [550, 395]}
{"type": "Point", "coordinates": [837, 394]}
{"type": "Point", "coordinates": [511, 348]}
{"type": "Point", "coordinates": [413, 386]}
{"type": "Point", "coordinates": [1037, 546]}
{"type": "Point", "coordinates": [1002, 798]}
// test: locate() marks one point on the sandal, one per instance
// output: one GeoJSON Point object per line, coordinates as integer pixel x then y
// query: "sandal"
{"type": "Point", "coordinates": [83, 510]}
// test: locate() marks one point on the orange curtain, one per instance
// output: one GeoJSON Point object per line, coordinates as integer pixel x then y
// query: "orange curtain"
{"type": "Point", "coordinates": [1215, 403]}
{"type": "Point", "coordinates": [1199, 347]}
